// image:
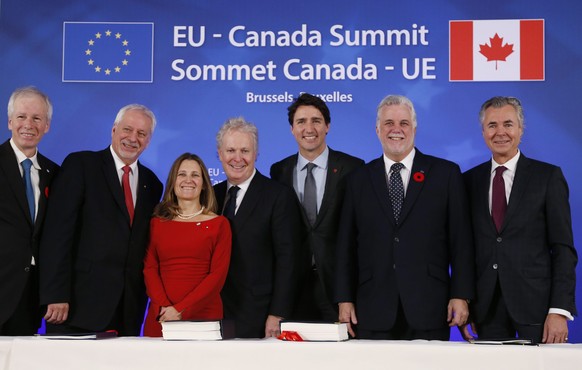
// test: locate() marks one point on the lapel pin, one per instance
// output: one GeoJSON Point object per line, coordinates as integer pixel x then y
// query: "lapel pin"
{"type": "Point", "coordinates": [418, 176]}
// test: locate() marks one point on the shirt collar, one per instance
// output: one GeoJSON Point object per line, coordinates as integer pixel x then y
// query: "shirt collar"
{"type": "Point", "coordinates": [320, 161]}
{"type": "Point", "coordinates": [511, 164]}
{"type": "Point", "coordinates": [407, 161]}
{"type": "Point", "coordinates": [243, 185]}
{"type": "Point", "coordinates": [21, 156]}
{"type": "Point", "coordinates": [119, 164]}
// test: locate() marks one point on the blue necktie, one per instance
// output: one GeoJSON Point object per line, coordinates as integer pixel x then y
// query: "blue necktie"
{"type": "Point", "coordinates": [26, 164]}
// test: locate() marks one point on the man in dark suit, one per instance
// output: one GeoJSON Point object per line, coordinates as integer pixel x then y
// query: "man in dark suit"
{"type": "Point", "coordinates": [21, 212]}
{"type": "Point", "coordinates": [309, 118]}
{"type": "Point", "coordinates": [404, 226]}
{"type": "Point", "coordinates": [525, 253]}
{"type": "Point", "coordinates": [262, 279]}
{"type": "Point", "coordinates": [96, 232]}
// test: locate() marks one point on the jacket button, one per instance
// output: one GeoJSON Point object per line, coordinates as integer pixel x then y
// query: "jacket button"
{"type": "Point", "coordinates": [27, 269]}
{"type": "Point", "coordinates": [499, 239]}
{"type": "Point", "coordinates": [494, 266]}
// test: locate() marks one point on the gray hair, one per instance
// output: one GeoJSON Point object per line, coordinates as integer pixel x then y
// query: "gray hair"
{"type": "Point", "coordinates": [30, 90]}
{"type": "Point", "coordinates": [500, 102]}
{"type": "Point", "coordinates": [139, 107]}
{"type": "Point", "coordinates": [241, 125]}
{"type": "Point", "coordinates": [396, 100]}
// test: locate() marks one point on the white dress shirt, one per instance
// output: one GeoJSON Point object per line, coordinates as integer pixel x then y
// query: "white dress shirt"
{"type": "Point", "coordinates": [133, 175]}
{"type": "Point", "coordinates": [405, 172]}
{"type": "Point", "coordinates": [319, 174]}
{"type": "Point", "coordinates": [243, 187]}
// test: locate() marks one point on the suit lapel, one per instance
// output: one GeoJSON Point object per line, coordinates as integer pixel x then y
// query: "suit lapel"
{"type": "Point", "coordinates": [481, 201]}
{"type": "Point", "coordinates": [220, 194]}
{"type": "Point", "coordinates": [287, 177]}
{"type": "Point", "coordinates": [10, 168]}
{"type": "Point", "coordinates": [334, 173]}
{"type": "Point", "coordinates": [287, 170]}
{"type": "Point", "coordinates": [250, 200]}
{"type": "Point", "coordinates": [380, 186]}
{"type": "Point", "coordinates": [45, 176]}
{"type": "Point", "coordinates": [421, 165]}
{"type": "Point", "coordinates": [520, 181]}
{"type": "Point", "coordinates": [142, 193]}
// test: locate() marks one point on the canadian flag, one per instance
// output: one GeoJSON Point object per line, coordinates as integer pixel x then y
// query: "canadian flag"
{"type": "Point", "coordinates": [496, 50]}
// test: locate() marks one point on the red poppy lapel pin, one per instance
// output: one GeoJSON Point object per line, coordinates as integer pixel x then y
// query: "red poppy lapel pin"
{"type": "Point", "coordinates": [46, 192]}
{"type": "Point", "coordinates": [418, 176]}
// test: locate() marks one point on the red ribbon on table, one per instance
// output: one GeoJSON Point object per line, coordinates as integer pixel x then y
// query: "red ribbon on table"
{"type": "Point", "coordinates": [292, 336]}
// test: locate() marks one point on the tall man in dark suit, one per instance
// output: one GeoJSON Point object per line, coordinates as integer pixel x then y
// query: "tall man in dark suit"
{"type": "Point", "coordinates": [525, 252]}
{"type": "Point", "coordinates": [309, 118]}
{"type": "Point", "coordinates": [262, 278]}
{"type": "Point", "coordinates": [96, 232]}
{"type": "Point", "coordinates": [21, 210]}
{"type": "Point", "coordinates": [404, 226]}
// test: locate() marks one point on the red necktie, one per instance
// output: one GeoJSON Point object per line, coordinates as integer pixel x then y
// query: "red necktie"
{"type": "Point", "coordinates": [127, 191]}
{"type": "Point", "coordinates": [498, 200]}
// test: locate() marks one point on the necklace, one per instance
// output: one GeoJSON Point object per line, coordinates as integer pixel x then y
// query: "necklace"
{"type": "Point", "coordinates": [192, 215]}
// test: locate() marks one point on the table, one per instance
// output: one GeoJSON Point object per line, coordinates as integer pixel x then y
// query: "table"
{"type": "Point", "coordinates": [26, 353]}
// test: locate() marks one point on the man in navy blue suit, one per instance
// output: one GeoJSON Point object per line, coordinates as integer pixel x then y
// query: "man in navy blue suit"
{"type": "Point", "coordinates": [96, 233]}
{"type": "Point", "coordinates": [262, 278]}
{"type": "Point", "coordinates": [310, 121]}
{"type": "Point", "coordinates": [21, 218]}
{"type": "Point", "coordinates": [405, 253]}
{"type": "Point", "coordinates": [525, 253]}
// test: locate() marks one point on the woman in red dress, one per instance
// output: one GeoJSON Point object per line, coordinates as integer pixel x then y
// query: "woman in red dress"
{"type": "Point", "coordinates": [189, 251]}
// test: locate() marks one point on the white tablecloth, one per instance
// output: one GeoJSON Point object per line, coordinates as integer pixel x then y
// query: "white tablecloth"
{"type": "Point", "coordinates": [24, 353]}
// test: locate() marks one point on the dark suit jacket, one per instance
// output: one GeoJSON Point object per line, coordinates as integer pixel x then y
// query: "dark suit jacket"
{"type": "Point", "coordinates": [533, 256]}
{"type": "Point", "coordinates": [20, 237]}
{"type": "Point", "coordinates": [322, 237]}
{"type": "Point", "coordinates": [262, 277]}
{"type": "Point", "coordinates": [90, 255]}
{"type": "Point", "coordinates": [380, 262]}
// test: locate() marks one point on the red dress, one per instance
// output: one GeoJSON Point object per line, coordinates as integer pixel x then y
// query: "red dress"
{"type": "Point", "coordinates": [185, 266]}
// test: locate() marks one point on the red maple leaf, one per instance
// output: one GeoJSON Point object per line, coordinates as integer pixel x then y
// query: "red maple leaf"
{"type": "Point", "coordinates": [496, 51]}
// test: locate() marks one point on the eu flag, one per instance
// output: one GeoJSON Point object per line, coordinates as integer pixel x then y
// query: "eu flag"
{"type": "Point", "coordinates": [108, 52]}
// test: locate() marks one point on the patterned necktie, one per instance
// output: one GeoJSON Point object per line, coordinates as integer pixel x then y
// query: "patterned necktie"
{"type": "Point", "coordinates": [396, 189]}
{"type": "Point", "coordinates": [26, 165]}
{"type": "Point", "coordinates": [498, 200]}
{"type": "Point", "coordinates": [127, 192]}
{"type": "Point", "coordinates": [230, 207]}
{"type": "Point", "coordinates": [310, 194]}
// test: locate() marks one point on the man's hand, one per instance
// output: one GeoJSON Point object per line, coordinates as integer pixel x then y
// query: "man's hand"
{"type": "Point", "coordinates": [272, 328]}
{"type": "Point", "coordinates": [347, 314]}
{"type": "Point", "coordinates": [555, 329]}
{"type": "Point", "coordinates": [57, 313]}
{"type": "Point", "coordinates": [466, 333]}
{"type": "Point", "coordinates": [457, 312]}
